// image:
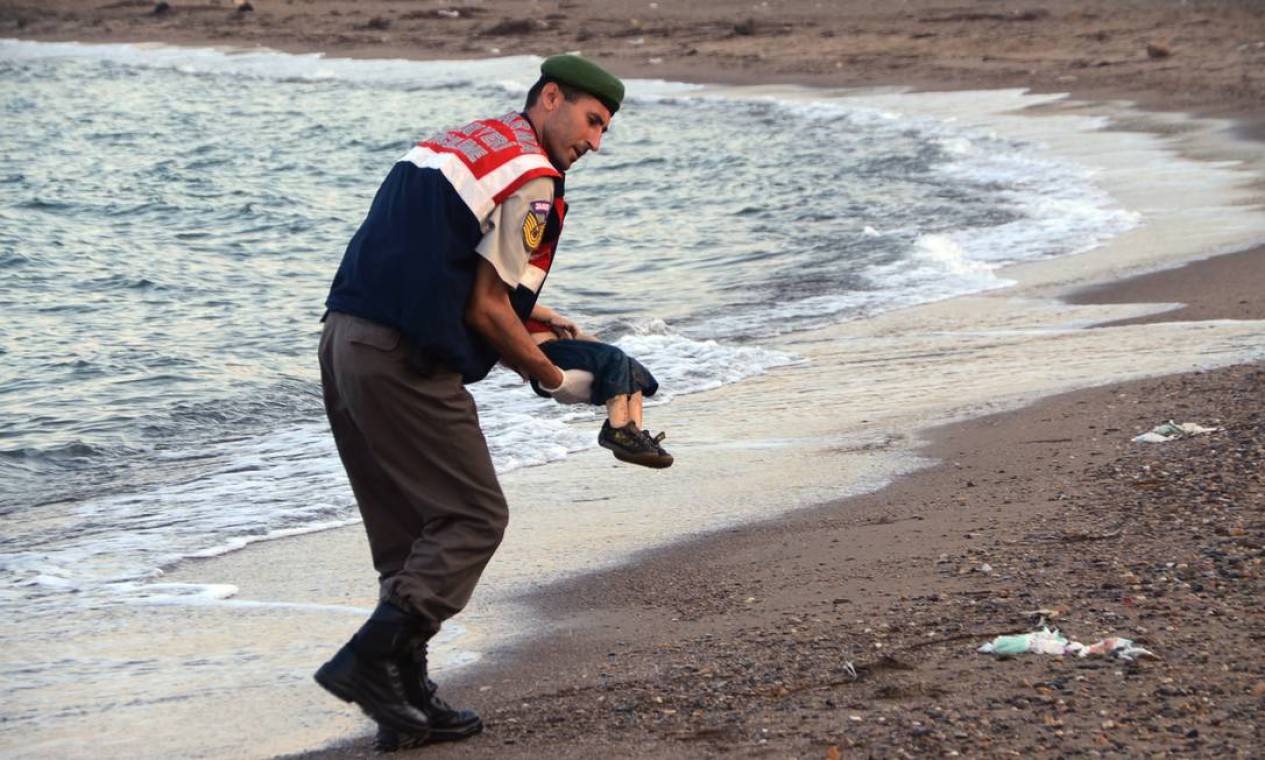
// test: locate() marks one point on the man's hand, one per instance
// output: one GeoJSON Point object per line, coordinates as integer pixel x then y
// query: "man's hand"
{"type": "Point", "coordinates": [560, 325]}
{"type": "Point", "coordinates": [563, 327]}
{"type": "Point", "coordinates": [576, 387]}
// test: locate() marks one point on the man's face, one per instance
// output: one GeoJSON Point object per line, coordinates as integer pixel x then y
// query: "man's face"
{"type": "Point", "coordinates": [571, 128]}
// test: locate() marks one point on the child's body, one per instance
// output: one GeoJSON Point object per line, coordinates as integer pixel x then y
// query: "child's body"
{"type": "Point", "coordinates": [620, 383]}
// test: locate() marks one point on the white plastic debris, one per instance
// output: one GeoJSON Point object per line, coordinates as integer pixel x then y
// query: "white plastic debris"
{"type": "Point", "coordinates": [1171, 431]}
{"type": "Point", "coordinates": [850, 671]}
{"type": "Point", "coordinates": [1044, 641]}
{"type": "Point", "coordinates": [1112, 646]}
{"type": "Point", "coordinates": [1047, 641]}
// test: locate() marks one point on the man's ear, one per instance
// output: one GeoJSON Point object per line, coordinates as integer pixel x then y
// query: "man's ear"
{"type": "Point", "coordinates": [551, 95]}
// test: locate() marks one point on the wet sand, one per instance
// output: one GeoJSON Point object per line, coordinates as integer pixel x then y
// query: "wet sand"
{"type": "Point", "coordinates": [735, 645]}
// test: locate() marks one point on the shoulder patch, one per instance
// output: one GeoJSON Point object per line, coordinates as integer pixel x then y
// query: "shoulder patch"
{"type": "Point", "coordinates": [534, 223]}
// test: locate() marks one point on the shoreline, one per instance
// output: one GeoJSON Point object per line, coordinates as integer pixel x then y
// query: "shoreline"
{"type": "Point", "coordinates": [607, 692]}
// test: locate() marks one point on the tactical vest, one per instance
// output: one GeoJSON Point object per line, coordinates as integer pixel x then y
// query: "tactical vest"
{"type": "Point", "coordinates": [412, 263]}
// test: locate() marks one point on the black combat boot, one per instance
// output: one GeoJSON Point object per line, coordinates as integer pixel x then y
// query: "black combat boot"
{"type": "Point", "coordinates": [446, 723]}
{"type": "Point", "coordinates": [367, 670]}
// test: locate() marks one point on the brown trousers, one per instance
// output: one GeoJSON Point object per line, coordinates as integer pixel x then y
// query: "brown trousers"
{"type": "Point", "coordinates": [418, 465]}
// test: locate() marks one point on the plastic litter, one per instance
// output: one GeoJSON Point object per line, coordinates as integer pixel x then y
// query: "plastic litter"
{"type": "Point", "coordinates": [1044, 641]}
{"type": "Point", "coordinates": [1171, 431]}
{"type": "Point", "coordinates": [850, 671]}
{"type": "Point", "coordinates": [1114, 646]}
{"type": "Point", "coordinates": [1050, 641]}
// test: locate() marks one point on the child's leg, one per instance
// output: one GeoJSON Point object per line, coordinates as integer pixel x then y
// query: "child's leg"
{"type": "Point", "coordinates": [619, 411]}
{"type": "Point", "coordinates": [634, 410]}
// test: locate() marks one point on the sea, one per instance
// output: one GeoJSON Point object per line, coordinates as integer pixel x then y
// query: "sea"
{"type": "Point", "coordinates": [170, 221]}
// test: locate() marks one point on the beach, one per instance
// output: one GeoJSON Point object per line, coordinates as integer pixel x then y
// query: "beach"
{"type": "Point", "coordinates": [1205, 57]}
{"type": "Point", "coordinates": [738, 642]}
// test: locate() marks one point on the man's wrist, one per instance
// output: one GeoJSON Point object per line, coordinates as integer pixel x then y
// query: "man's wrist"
{"type": "Point", "coordinates": [562, 379]}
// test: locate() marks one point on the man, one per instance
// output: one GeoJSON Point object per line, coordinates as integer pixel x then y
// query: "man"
{"type": "Point", "coordinates": [431, 292]}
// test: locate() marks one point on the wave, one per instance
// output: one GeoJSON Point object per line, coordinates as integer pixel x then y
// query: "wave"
{"type": "Point", "coordinates": [513, 74]}
{"type": "Point", "coordinates": [64, 453]}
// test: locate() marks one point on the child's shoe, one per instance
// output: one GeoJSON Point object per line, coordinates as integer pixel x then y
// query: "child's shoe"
{"type": "Point", "coordinates": [629, 444]}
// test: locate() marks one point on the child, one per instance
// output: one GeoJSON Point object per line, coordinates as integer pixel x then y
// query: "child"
{"type": "Point", "coordinates": [619, 382]}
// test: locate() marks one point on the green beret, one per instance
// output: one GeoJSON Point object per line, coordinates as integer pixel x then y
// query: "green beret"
{"type": "Point", "coordinates": [586, 75]}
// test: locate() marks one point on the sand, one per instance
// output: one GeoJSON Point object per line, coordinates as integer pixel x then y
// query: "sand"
{"type": "Point", "coordinates": [736, 645]}
{"type": "Point", "coordinates": [1201, 56]}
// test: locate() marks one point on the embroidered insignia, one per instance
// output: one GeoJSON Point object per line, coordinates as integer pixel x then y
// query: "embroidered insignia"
{"type": "Point", "coordinates": [534, 224]}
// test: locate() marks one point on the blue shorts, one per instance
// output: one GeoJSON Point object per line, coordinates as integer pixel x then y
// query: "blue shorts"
{"type": "Point", "coordinates": [615, 373]}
